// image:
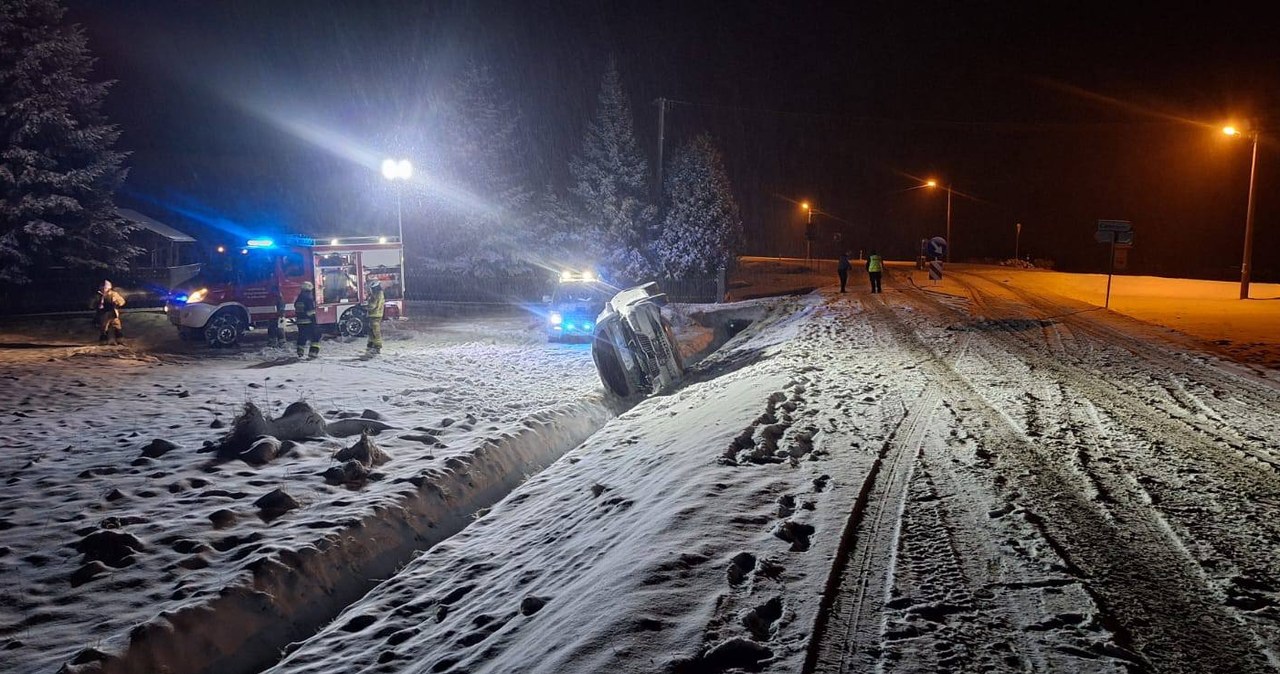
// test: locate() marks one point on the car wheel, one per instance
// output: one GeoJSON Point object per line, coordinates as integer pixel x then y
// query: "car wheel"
{"type": "Point", "coordinates": [354, 323]}
{"type": "Point", "coordinates": [223, 330]}
{"type": "Point", "coordinates": [612, 374]}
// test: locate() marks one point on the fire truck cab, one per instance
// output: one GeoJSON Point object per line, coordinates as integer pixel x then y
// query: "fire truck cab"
{"type": "Point", "coordinates": [235, 293]}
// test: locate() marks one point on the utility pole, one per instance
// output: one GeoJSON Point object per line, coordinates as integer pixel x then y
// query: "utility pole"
{"type": "Point", "coordinates": [662, 128]}
{"type": "Point", "coordinates": [949, 246]}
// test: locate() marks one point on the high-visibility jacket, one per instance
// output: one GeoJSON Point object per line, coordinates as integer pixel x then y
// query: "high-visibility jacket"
{"type": "Point", "coordinates": [304, 308]}
{"type": "Point", "coordinates": [874, 263]}
{"type": "Point", "coordinates": [108, 302]}
{"type": "Point", "coordinates": [375, 303]}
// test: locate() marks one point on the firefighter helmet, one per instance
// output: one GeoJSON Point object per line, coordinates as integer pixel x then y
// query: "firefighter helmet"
{"type": "Point", "coordinates": [308, 285]}
{"type": "Point", "coordinates": [375, 284]}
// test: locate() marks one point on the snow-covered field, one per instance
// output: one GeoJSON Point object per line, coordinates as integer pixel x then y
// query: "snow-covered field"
{"type": "Point", "coordinates": [975, 477]}
{"type": "Point", "coordinates": [117, 527]}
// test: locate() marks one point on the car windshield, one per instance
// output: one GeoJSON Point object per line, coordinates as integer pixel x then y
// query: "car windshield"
{"type": "Point", "coordinates": [580, 292]}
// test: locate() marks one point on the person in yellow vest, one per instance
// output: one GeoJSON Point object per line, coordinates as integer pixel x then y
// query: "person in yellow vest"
{"type": "Point", "coordinates": [374, 305]}
{"type": "Point", "coordinates": [875, 267]}
{"type": "Point", "coordinates": [106, 312]}
{"type": "Point", "coordinates": [304, 315]}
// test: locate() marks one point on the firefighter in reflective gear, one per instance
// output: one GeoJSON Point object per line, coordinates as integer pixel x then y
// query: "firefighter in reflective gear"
{"type": "Point", "coordinates": [275, 329]}
{"type": "Point", "coordinates": [875, 267]}
{"type": "Point", "coordinates": [106, 312]}
{"type": "Point", "coordinates": [304, 314]}
{"type": "Point", "coordinates": [374, 306]}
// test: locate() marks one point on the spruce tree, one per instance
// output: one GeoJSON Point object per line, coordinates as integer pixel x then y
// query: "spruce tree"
{"type": "Point", "coordinates": [58, 168]}
{"type": "Point", "coordinates": [610, 187]}
{"type": "Point", "coordinates": [487, 158]}
{"type": "Point", "coordinates": [702, 228]}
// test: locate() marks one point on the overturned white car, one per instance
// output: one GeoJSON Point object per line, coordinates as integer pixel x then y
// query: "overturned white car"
{"type": "Point", "coordinates": [633, 346]}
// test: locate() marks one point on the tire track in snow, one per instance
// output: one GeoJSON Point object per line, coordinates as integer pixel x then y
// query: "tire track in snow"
{"type": "Point", "coordinates": [1133, 560]}
{"type": "Point", "coordinates": [848, 633]}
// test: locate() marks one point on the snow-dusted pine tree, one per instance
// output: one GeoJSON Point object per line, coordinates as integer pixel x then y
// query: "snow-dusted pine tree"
{"type": "Point", "coordinates": [58, 166]}
{"type": "Point", "coordinates": [487, 159]}
{"type": "Point", "coordinates": [610, 186]}
{"type": "Point", "coordinates": [702, 229]}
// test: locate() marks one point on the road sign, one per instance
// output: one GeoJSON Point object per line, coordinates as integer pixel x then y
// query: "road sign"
{"type": "Point", "coordinates": [935, 270]}
{"type": "Point", "coordinates": [937, 247]}
{"type": "Point", "coordinates": [1115, 226]}
{"type": "Point", "coordinates": [1121, 257]}
{"type": "Point", "coordinates": [1124, 238]}
{"type": "Point", "coordinates": [1104, 237]}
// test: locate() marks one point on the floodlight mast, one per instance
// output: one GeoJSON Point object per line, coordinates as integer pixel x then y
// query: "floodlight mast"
{"type": "Point", "coordinates": [399, 171]}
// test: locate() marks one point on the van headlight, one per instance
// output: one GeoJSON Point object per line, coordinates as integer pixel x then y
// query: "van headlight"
{"type": "Point", "coordinates": [555, 318]}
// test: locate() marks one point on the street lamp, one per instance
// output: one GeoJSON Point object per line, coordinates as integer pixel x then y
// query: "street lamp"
{"type": "Point", "coordinates": [398, 171]}
{"type": "Point", "coordinates": [808, 231]}
{"type": "Point", "coordinates": [1246, 263]}
{"type": "Point", "coordinates": [934, 183]}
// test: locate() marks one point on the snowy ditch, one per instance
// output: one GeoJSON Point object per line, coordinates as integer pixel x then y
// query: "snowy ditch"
{"type": "Point", "coordinates": [292, 593]}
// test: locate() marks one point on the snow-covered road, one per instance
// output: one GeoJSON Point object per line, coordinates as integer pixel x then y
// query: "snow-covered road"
{"type": "Point", "coordinates": [1075, 494]}
{"type": "Point", "coordinates": [988, 479]}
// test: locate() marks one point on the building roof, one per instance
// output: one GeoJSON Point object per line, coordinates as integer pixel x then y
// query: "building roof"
{"type": "Point", "coordinates": [153, 225]}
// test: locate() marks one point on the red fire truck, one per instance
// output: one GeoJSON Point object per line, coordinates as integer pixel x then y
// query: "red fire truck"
{"type": "Point", "coordinates": [234, 293]}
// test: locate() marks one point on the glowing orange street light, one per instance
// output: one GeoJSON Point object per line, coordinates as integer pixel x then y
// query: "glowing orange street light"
{"type": "Point", "coordinates": [1246, 264]}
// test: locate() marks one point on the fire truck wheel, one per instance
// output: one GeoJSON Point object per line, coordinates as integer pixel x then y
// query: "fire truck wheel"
{"type": "Point", "coordinates": [223, 330]}
{"type": "Point", "coordinates": [354, 323]}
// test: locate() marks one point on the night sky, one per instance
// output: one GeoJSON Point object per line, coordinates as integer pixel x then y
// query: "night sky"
{"type": "Point", "coordinates": [1049, 114]}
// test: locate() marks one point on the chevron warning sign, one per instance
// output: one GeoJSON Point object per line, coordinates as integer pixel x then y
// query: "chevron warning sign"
{"type": "Point", "coordinates": [935, 270]}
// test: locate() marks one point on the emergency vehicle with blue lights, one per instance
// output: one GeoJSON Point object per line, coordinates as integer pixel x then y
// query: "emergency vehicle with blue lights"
{"type": "Point", "coordinates": [577, 300]}
{"type": "Point", "coordinates": [234, 293]}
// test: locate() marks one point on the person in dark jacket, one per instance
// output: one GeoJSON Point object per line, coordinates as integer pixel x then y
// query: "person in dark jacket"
{"type": "Point", "coordinates": [842, 268]}
{"type": "Point", "coordinates": [374, 306]}
{"type": "Point", "coordinates": [304, 314]}
{"type": "Point", "coordinates": [275, 329]}
{"type": "Point", "coordinates": [106, 312]}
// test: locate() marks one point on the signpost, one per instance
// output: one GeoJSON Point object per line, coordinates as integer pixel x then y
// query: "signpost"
{"type": "Point", "coordinates": [1115, 233]}
{"type": "Point", "coordinates": [937, 250]}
